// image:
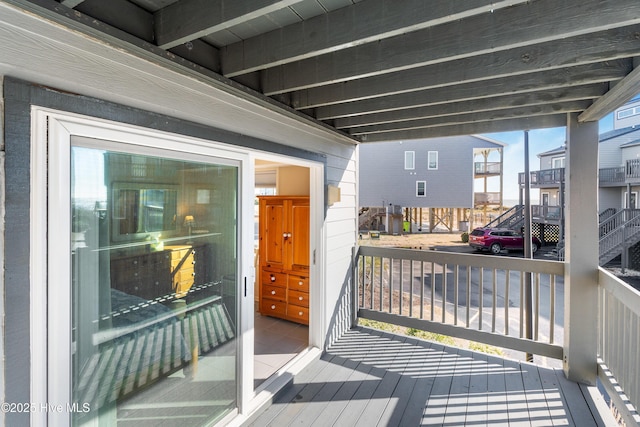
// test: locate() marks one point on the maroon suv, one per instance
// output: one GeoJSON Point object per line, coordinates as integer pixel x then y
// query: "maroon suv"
{"type": "Point", "coordinates": [497, 239]}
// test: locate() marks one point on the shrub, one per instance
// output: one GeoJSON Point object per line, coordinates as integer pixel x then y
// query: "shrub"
{"type": "Point", "coordinates": [464, 237]}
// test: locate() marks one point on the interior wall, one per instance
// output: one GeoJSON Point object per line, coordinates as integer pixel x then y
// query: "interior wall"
{"type": "Point", "coordinates": [293, 181]}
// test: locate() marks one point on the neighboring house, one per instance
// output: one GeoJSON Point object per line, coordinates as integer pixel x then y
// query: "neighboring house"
{"type": "Point", "coordinates": [619, 183]}
{"type": "Point", "coordinates": [438, 174]}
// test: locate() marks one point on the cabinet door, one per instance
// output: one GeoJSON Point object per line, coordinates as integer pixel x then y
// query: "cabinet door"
{"type": "Point", "coordinates": [272, 229]}
{"type": "Point", "coordinates": [299, 241]}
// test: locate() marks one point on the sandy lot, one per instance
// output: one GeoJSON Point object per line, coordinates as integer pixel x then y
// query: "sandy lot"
{"type": "Point", "coordinates": [437, 241]}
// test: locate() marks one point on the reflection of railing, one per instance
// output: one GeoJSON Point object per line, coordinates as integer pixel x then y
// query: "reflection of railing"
{"type": "Point", "coordinates": [149, 341]}
{"type": "Point", "coordinates": [618, 341]}
{"type": "Point", "coordinates": [461, 295]}
{"type": "Point", "coordinates": [488, 168]}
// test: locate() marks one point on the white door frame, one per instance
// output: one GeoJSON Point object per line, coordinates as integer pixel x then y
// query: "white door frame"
{"type": "Point", "coordinates": [50, 192]}
{"type": "Point", "coordinates": [50, 196]}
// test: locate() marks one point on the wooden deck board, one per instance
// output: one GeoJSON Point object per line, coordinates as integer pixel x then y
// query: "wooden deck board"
{"type": "Point", "coordinates": [369, 378]}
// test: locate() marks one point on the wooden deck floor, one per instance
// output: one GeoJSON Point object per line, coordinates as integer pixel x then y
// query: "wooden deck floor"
{"type": "Point", "coordinates": [370, 378]}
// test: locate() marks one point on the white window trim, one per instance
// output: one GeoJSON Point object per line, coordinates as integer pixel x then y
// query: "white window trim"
{"type": "Point", "coordinates": [418, 186]}
{"type": "Point", "coordinates": [557, 159]}
{"type": "Point", "coordinates": [624, 199]}
{"type": "Point", "coordinates": [429, 167]}
{"type": "Point", "coordinates": [409, 160]}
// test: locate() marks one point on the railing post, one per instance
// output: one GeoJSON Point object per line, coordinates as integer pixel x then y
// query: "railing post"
{"type": "Point", "coordinates": [581, 252]}
{"type": "Point", "coordinates": [354, 287]}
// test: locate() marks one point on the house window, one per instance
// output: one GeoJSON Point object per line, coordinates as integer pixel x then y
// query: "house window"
{"type": "Point", "coordinates": [421, 188]}
{"type": "Point", "coordinates": [633, 201]}
{"type": "Point", "coordinates": [557, 163]}
{"type": "Point", "coordinates": [409, 160]}
{"type": "Point", "coordinates": [432, 160]}
{"type": "Point", "coordinates": [623, 114]}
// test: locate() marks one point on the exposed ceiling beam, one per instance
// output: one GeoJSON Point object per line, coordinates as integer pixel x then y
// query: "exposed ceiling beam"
{"type": "Point", "coordinates": [71, 3]}
{"type": "Point", "coordinates": [474, 117]}
{"type": "Point", "coordinates": [536, 122]}
{"type": "Point", "coordinates": [560, 95]}
{"type": "Point", "coordinates": [504, 29]}
{"type": "Point", "coordinates": [622, 92]}
{"type": "Point", "coordinates": [599, 52]}
{"type": "Point", "coordinates": [463, 92]}
{"type": "Point", "coordinates": [188, 20]}
{"type": "Point", "coordinates": [363, 22]}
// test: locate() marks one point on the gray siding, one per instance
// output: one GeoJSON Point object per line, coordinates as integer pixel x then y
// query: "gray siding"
{"type": "Point", "coordinates": [609, 154]}
{"type": "Point", "coordinates": [384, 179]}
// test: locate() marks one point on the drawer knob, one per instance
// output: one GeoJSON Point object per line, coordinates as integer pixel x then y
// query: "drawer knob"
{"type": "Point", "coordinates": [300, 313]}
{"type": "Point", "coordinates": [273, 292]}
{"type": "Point", "coordinates": [300, 298]}
{"type": "Point", "coordinates": [273, 307]}
{"type": "Point", "coordinates": [273, 278]}
{"type": "Point", "coordinates": [300, 283]}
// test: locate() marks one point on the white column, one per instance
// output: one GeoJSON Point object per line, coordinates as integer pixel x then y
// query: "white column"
{"type": "Point", "coordinates": [581, 251]}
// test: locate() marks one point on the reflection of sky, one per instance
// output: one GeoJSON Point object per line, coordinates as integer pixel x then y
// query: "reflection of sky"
{"type": "Point", "coordinates": [88, 174]}
{"type": "Point", "coordinates": [540, 141]}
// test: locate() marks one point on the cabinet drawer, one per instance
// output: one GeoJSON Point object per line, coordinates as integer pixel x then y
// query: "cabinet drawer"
{"type": "Point", "coordinates": [298, 314]}
{"type": "Point", "coordinates": [271, 307]}
{"type": "Point", "coordinates": [299, 298]}
{"type": "Point", "coordinates": [274, 292]}
{"type": "Point", "coordinates": [274, 279]}
{"type": "Point", "coordinates": [298, 283]}
{"type": "Point", "coordinates": [188, 262]}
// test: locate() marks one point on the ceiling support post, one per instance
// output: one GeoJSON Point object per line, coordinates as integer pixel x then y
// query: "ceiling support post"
{"type": "Point", "coordinates": [581, 251]}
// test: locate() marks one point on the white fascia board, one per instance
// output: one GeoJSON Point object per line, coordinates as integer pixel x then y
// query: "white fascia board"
{"type": "Point", "coordinates": [46, 52]}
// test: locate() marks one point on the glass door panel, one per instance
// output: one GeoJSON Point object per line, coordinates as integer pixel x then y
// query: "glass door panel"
{"type": "Point", "coordinates": [154, 276]}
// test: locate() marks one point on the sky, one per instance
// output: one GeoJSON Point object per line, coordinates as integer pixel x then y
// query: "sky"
{"type": "Point", "coordinates": [540, 140]}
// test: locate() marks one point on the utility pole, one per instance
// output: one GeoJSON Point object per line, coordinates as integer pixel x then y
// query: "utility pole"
{"type": "Point", "coordinates": [528, 253]}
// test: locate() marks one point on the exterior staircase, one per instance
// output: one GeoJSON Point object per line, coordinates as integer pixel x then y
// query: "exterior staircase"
{"type": "Point", "coordinates": [512, 219]}
{"type": "Point", "coordinates": [370, 218]}
{"type": "Point", "coordinates": [619, 232]}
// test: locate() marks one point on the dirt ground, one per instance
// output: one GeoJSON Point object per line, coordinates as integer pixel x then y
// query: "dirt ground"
{"type": "Point", "coordinates": [435, 241]}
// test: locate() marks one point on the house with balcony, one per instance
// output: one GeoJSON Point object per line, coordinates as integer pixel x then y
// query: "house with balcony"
{"type": "Point", "coordinates": [426, 183]}
{"type": "Point", "coordinates": [136, 134]}
{"type": "Point", "coordinates": [618, 164]}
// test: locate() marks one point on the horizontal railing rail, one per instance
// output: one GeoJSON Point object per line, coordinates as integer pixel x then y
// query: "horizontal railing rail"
{"type": "Point", "coordinates": [546, 212]}
{"type": "Point", "coordinates": [611, 175]}
{"type": "Point", "coordinates": [475, 297]}
{"type": "Point", "coordinates": [493, 198]}
{"type": "Point", "coordinates": [543, 177]}
{"type": "Point", "coordinates": [484, 168]}
{"type": "Point", "coordinates": [619, 344]}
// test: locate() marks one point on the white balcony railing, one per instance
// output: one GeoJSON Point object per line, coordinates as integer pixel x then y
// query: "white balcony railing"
{"type": "Point", "coordinates": [484, 298]}
{"type": "Point", "coordinates": [619, 344]}
{"type": "Point", "coordinates": [480, 298]}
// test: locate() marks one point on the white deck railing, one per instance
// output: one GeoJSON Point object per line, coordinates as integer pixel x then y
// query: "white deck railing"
{"type": "Point", "coordinates": [482, 298]}
{"type": "Point", "coordinates": [619, 344]}
{"type": "Point", "coordinates": [475, 297]}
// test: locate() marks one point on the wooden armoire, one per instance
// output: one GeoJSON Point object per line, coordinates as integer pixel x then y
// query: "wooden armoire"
{"type": "Point", "coordinates": [284, 257]}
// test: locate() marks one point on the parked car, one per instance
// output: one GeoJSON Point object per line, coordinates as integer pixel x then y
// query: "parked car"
{"type": "Point", "coordinates": [497, 239]}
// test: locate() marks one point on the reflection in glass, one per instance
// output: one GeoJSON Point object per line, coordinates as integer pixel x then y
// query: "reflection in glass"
{"type": "Point", "coordinates": [153, 326]}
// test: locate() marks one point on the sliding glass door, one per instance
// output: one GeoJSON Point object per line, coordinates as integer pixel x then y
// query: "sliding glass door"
{"type": "Point", "coordinates": [154, 256]}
